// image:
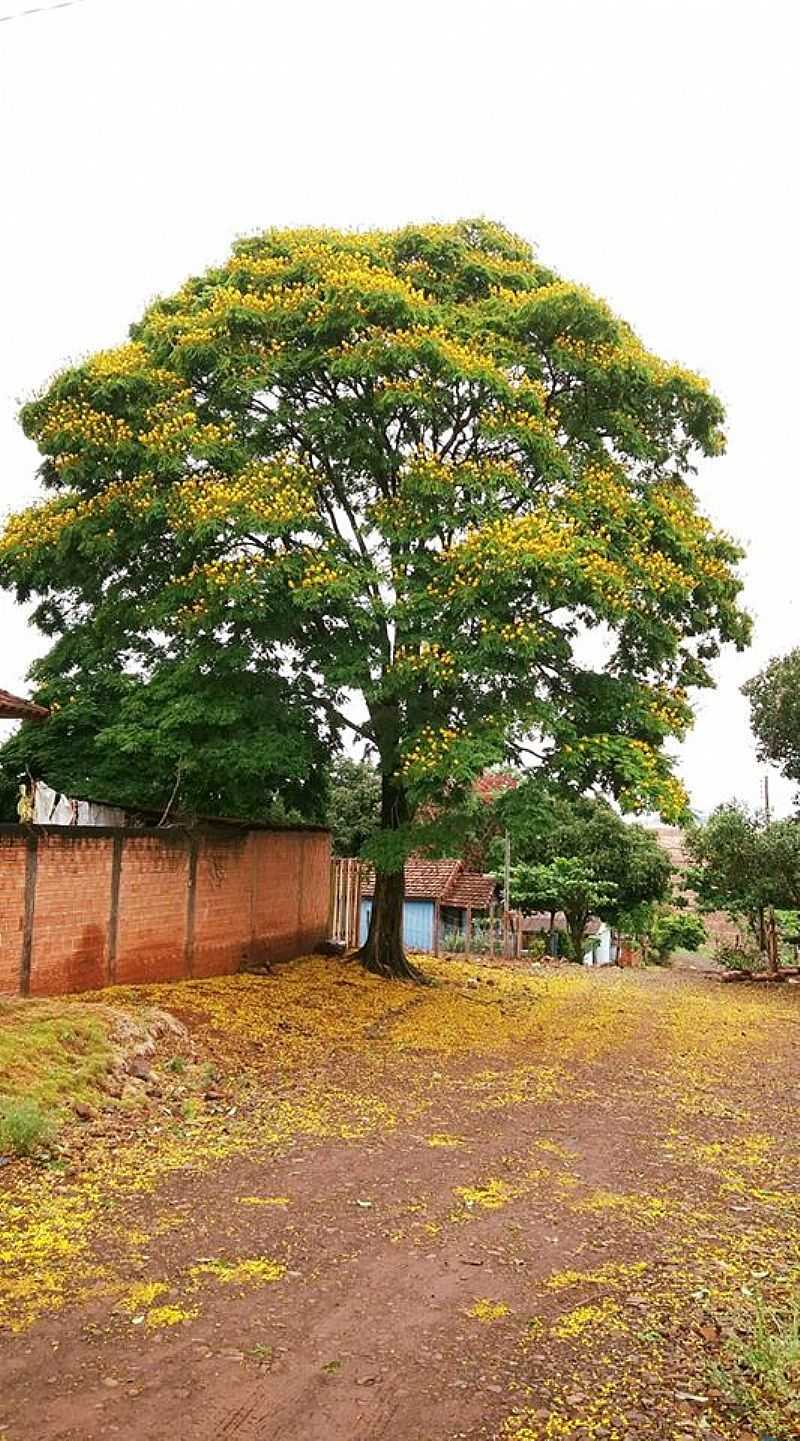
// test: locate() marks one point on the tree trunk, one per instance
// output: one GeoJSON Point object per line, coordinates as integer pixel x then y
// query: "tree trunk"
{"type": "Point", "coordinates": [382, 952]}
{"type": "Point", "coordinates": [577, 926]}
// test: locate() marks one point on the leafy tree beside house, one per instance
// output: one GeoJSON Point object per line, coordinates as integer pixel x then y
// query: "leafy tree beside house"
{"type": "Point", "coordinates": [412, 467]}
{"type": "Point", "coordinates": [199, 734]}
{"type": "Point", "coordinates": [583, 858]}
{"type": "Point", "coordinates": [566, 884]}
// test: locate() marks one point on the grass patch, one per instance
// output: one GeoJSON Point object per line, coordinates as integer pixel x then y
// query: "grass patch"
{"type": "Point", "coordinates": [24, 1127]}
{"type": "Point", "coordinates": [51, 1054]}
{"type": "Point", "coordinates": [758, 1371]}
{"type": "Point", "coordinates": [55, 1054]}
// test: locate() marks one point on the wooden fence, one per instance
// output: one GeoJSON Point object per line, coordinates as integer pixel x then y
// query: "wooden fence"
{"type": "Point", "coordinates": [494, 934]}
{"type": "Point", "coordinates": [345, 909]}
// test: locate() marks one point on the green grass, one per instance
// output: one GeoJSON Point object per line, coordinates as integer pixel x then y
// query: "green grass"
{"type": "Point", "coordinates": [52, 1054]}
{"type": "Point", "coordinates": [758, 1372]}
{"type": "Point", "coordinates": [24, 1128]}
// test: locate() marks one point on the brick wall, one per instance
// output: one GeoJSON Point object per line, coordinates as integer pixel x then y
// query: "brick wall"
{"type": "Point", "coordinates": [88, 907]}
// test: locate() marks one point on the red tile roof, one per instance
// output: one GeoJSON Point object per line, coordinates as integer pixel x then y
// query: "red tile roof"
{"type": "Point", "coordinates": [492, 784]}
{"type": "Point", "coordinates": [470, 888]}
{"type": "Point", "coordinates": [446, 881]}
{"type": "Point", "coordinates": [13, 707]}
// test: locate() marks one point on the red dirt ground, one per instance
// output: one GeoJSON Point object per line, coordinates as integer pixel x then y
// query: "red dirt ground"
{"type": "Point", "coordinates": [605, 1181]}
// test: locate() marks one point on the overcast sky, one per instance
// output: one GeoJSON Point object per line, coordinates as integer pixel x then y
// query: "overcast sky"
{"type": "Point", "coordinates": [648, 148]}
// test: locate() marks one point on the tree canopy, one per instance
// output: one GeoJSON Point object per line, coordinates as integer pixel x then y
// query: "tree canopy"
{"type": "Point", "coordinates": [741, 865]}
{"type": "Point", "coordinates": [774, 696]}
{"type": "Point", "coordinates": [579, 856]}
{"type": "Point", "coordinates": [219, 739]}
{"type": "Point", "coordinates": [400, 476]}
{"type": "Point", "coordinates": [568, 884]}
{"type": "Point", "coordinates": [353, 805]}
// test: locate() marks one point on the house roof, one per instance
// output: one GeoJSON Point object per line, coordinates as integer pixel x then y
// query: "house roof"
{"type": "Point", "coordinates": [14, 707]}
{"type": "Point", "coordinates": [446, 881]}
{"type": "Point", "coordinates": [492, 784]}
{"type": "Point", "coordinates": [470, 888]}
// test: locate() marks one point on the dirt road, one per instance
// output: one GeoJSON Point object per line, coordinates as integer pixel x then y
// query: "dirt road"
{"type": "Point", "coordinates": [503, 1207]}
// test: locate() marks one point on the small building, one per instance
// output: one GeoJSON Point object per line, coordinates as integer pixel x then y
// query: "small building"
{"type": "Point", "coordinates": [441, 899]}
{"type": "Point", "coordinates": [598, 949]}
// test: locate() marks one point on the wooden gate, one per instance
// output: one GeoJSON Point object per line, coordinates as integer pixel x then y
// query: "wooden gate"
{"type": "Point", "coordinates": [345, 909]}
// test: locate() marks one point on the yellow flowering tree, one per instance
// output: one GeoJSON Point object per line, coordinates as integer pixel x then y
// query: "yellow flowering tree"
{"type": "Point", "coordinates": [407, 474]}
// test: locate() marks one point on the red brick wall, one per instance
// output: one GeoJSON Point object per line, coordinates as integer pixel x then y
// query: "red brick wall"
{"type": "Point", "coordinates": [69, 950]}
{"type": "Point", "coordinates": [12, 911]}
{"type": "Point", "coordinates": [291, 889]}
{"type": "Point", "coordinates": [223, 907]}
{"type": "Point", "coordinates": [151, 929]}
{"type": "Point", "coordinates": [83, 908]}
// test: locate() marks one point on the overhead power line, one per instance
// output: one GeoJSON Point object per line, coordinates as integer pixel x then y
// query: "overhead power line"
{"type": "Point", "coordinates": [39, 10]}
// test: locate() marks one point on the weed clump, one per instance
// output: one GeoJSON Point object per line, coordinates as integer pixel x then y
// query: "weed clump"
{"type": "Point", "coordinates": [24, 1127]}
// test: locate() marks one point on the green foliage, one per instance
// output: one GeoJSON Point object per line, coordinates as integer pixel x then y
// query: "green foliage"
{"type": "Point", "coordinates": [24, 1127]}
{"type": "Point", "coordinates": [621, 856]}
{"type": "Point", "coordinates": [354, 805]}
{"type": "Point", "coordinates": [411, 467]}
{"type": "Point", "coordinates": [9, 793]}
{"type": "Point", "coordinates": [564, 884]}
{"type": "Point", "coordinates": [738, 957]}
{"type": "Point", "coordinates": [213, 734]}
{"type": "Point", "coordinates": [727, 871]}
{"type": "Point", "coordinates": [774, 696]}
{"type": "Point", "coordinates": [741, 864]}
{"type": "Point", "coordinates": [568, 884]}
{"type": "Point", "coordinates": [676, 930]}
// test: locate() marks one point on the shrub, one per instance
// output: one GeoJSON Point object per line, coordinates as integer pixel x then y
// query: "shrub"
{"type": "Point", "coordinates": [677, 931]}
{"type": "Point", "coordinates": [24, 1128]}
{"type": "Point", "coordinates": [738, 958]}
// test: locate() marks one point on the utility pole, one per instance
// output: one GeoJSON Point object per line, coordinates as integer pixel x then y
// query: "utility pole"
{"type": "Point", "coordinates": [772, 933]}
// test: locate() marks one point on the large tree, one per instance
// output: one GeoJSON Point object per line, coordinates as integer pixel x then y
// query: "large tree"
{"type": "Point", "coordinates": [406, 473]}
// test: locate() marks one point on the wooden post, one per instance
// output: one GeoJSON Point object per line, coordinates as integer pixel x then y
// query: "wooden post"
{"type": "Point", "coordinates": [468, 933]}
{"type": "Point", "coordinates": [437, 915]}
{"type": "Point", "coordinates": [332, 901]}
{"type": "Point", "coordinates": [506, 894]}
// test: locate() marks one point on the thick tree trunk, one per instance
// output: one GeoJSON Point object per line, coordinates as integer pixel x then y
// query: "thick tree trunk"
{"type": "Point", "coordinates": [382, 952]}
{"type": "Point", "coordinates": [577, 926]}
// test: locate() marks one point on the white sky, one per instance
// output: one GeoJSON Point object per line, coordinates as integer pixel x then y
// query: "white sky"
{"type": "Point", "coordinates": [649, 147]}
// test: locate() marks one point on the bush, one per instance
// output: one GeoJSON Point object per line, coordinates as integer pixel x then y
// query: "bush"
{"type": "Point", "coordinates": [738, 958]}
{"type": "Point", "coordinates": [24, 1128]}
{"type": "Point", "coordinates": [677, 931]}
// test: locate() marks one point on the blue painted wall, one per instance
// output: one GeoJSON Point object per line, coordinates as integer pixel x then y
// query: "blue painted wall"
{"type": "Point", "coordinates": [417, 923]}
